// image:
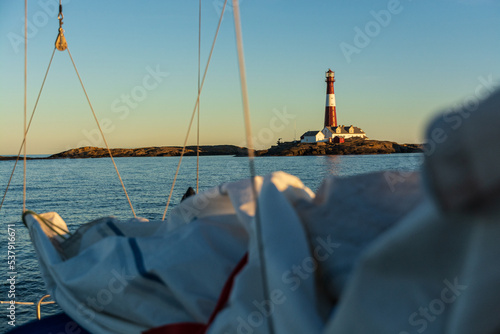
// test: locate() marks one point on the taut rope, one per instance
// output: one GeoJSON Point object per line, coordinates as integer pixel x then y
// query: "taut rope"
{"type": "Point", "coordinates": [198, 122]}
{"type": "Point", "coordinates": [102, 134]}
{"type": "Point", "coordinates": [251, 154]}
{"type": "Point", "coordinates": [194, 111]}
{"type": "Point", "coordinates": [25, 99]}
{"type": "Point", "coordinates": [26, 132]}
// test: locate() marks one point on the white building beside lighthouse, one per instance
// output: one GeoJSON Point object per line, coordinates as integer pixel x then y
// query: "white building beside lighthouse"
{"type": "Point", "coordinates": [312, 137]}
{"type": "Point", "coordinates": [331, 129]}
{"type": "Point", "coordinates": [343, 131]}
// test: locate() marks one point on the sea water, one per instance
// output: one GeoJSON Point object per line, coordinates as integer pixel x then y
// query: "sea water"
{"type": "Point", "coordinates": [81, 190]}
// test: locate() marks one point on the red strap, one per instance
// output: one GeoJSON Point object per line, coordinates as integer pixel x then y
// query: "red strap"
{"type": "Point", "coordinates": [181, 328]}
{"type": "Point", "coordinates": [226, 291]}
{"type": "Point", "coordinates": [195, 328]}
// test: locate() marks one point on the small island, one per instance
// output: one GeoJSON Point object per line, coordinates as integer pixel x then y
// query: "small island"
{"type": "Point", "coordinates": [161, 151]}
{"type": "Point", "coordinates": [351, 146]}
{"type": "Point", "coordinates": [155, 151]}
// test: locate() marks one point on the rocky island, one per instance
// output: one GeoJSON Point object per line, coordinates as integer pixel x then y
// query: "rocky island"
{"type": "Point", "coordinates": [162, 151]}
{"type": "Point", "coordinates": [352, 146]}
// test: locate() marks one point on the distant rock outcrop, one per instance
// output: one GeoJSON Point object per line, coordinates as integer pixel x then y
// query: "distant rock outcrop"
{"type": "Point", "coordinates": [164, 151]}
{"type": "Point", "coordinates": [351, 146]}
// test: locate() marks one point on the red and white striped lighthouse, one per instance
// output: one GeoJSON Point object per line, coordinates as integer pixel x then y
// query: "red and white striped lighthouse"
{"type": "Point", "coordinates": [330, 110]}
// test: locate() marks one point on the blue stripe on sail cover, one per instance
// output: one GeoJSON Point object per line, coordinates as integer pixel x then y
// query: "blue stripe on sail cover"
{"type": "Point", "coordinates": [139, 262]}
{"type": "Point", "coordinates": [114, 228]}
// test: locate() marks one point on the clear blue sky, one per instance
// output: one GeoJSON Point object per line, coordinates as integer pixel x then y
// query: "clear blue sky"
{"type": "Point", "coordinates": [423, 57]}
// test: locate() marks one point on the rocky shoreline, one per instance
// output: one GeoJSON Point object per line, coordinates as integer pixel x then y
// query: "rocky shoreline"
{"type": "Point", "coordinates": [353, 146]}
{"type": "Point", "coordinates": [349, 147]}
{"type": "Point", "coordinates": [163, 151]}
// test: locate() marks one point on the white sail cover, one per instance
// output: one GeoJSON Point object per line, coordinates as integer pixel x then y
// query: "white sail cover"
{"type": "Point", "coordinates": [126, 277]}
{"type": "Point", "coordinates": [376, 253]}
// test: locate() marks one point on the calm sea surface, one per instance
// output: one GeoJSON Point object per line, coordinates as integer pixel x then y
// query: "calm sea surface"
{"type": "Point", "coordinates": [84, 189]}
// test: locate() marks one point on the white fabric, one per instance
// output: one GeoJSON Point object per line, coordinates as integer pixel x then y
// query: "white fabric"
{"type": "Point", "coordinates": [463, 159]}
{"type": "Point", "coordinates": [205, 236]}
{"type": "Point", "coordinates": [434, 273]}
{"type": "Point", "coordinates": [333, 229]}
{"type": "Point", "coordinates": [285, 246]}
{"type": "Point", "coordinates": [348, 214]}
{"type": "Point", "coordinates": [97, 280]}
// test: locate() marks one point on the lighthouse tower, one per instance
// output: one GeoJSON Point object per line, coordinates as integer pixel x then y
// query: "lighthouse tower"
{"type": "Point", "coordinates": [330, 110]}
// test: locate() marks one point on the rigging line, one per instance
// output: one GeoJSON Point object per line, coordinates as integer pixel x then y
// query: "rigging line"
{"type": "Point", "coordinates": [251, 153]}
{"type": "Point", "coordinates": [194, 111]}
{"type": "Point", "coordinates": [198, 121]}
{"type": "Point", "coordinates": [27, 130]}
{"type": "Point", "coordinates": [25, 96]}
{"type": "Point", "coordinates": [102, 134]}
